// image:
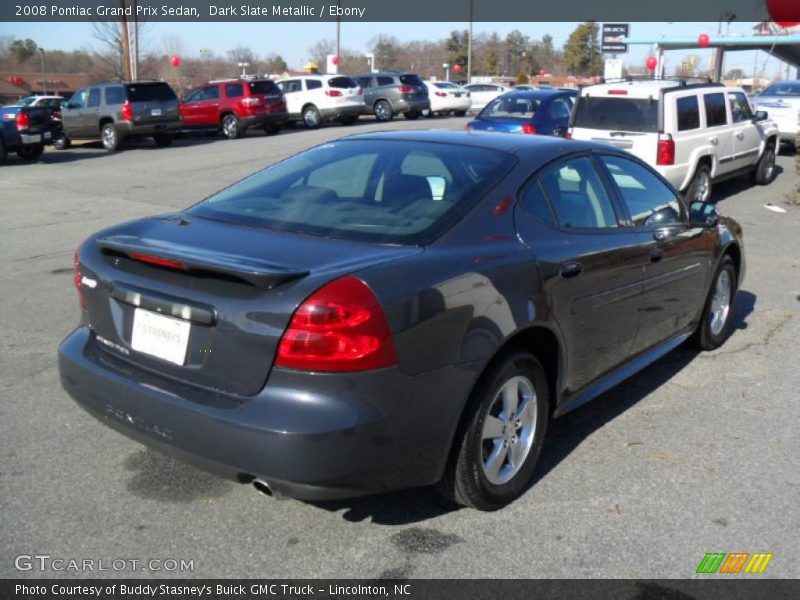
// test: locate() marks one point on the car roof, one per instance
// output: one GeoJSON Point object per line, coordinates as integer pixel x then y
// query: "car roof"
{"type": "Point", "coordinates": [644, 88]}
{"type": "Point", "coordinates": [539, 94]}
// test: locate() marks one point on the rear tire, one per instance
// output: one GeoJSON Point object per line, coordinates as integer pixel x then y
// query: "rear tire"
{"type": "Point", "coordinates": [163, 140]}
{"type": "Point", "coordinates": [383, 111]}
{"type": "Point", "coordinates": [110, 138]}
{"type": "Point", "coordinates": [715, 324]}
{"type": "Point", "coordinates": [700, 185]}
{"type": "Point", "coordinates": [30, 152]}
{"type": "Point", "coordinates": [500, 438]}
{"type": "Point", "coordinates": [231, 127]}
{"type": "Point", "coordinates": [764, 173]}
{"type": "Point", "coordinates": [62, 142]}
{"type": "Point", "coordinates": [311, 117]}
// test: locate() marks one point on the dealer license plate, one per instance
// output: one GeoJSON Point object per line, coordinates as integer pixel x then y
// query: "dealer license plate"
{"type": "Point", "coordinates": [160, 336]}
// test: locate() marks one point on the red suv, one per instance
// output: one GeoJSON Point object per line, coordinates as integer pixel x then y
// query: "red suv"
{"type": "Point", "coordinates": [234, 105]}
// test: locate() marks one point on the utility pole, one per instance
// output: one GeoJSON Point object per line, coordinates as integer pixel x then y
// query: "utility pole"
{"type": "Point", "coordinates": [338, 32]}
{"type": "Point", "coordinates": [469, 44]}
{"type": "Point", "coordinates": [126, 43]}
{"type": "Point", "coordinates": [44, 74]}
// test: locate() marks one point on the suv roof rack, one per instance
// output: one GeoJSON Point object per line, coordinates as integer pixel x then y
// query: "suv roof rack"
{"type": "Point", "coordinates": [677, 80]}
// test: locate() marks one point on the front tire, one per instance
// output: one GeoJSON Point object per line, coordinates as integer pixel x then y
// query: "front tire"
{"type": "Point", "coordinates": [700, 185]}
{"type": "Point", "coordinates": [715, 325]}
{"type": "Point", "coordinates": [764, 173]}
{"type": "Point", "coordinates": [311, 117]}
{"type": "Point", "coordinates": [110, 138]}
{"type": "Point", "coordinates": [499, 442]}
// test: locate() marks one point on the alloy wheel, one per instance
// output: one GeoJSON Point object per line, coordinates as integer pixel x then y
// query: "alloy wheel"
{"type": "Point", "coordinates": [721, 302]}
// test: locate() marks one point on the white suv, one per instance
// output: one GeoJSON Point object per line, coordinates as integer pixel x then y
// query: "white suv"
{"type": "Point", "coordinates": [693, 134]}
{"type": "Point", "coordinates": [314, 99]}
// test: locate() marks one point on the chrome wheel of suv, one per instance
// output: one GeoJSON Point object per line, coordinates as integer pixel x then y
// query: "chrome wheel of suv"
{"type": "Point", "coordinates": [230, 127]}
{"type": "Point", "coordinates": [311, 117]}
{"type": "Point", "coordinates": [109, 137]}
{"type": "Point", "coordinates": [383, 111]}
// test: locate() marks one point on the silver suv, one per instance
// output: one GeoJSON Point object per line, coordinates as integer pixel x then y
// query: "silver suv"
{"type": "Point", "coordinates": [390, 93]}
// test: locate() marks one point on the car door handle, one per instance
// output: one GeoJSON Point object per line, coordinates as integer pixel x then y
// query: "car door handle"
{"type": "Point", "coordinates": [656, 255]}
{"type": "Point", "coordinates": [740, 136]}
{"type": "Point", "coordinates": [571, 269]}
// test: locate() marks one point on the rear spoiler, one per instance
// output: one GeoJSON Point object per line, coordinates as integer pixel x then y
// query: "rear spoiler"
{"type": "Point", "coordinates": [257, 273]}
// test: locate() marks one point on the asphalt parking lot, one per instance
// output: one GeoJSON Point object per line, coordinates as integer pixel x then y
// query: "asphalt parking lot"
{"type": "Point", "coordinates": [699, 453]}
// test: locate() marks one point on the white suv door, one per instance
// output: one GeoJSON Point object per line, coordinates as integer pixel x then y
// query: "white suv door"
{"type": "Point", "coordinates": [292, 92]}
{"type": "Point", "coordinates": [719, 130]}
{"type": "Point", "coordinates": [746, 132]}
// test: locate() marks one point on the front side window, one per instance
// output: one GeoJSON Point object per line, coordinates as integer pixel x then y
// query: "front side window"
{"type": "Point", "coordinates": [740, 107]}
{"type": "Point", "coordinates": [688, 113]}
{"type": "Point", "coordinates": [650, 202]}
{"type": "Point", "coordinates": [363, 190]}
{"type": "Point", "coordinates": [578, 195]}
{"type": "Point", "coordinates": [716, 113]}
{"type": "Point", "coordinates": [79, 99]}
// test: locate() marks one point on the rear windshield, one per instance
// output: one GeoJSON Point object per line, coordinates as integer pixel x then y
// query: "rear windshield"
{"type": "Point", "coordinates": [342, 82]}
{"type": "Point", "coordinates": [384, 191]}
{"type": "Point", "coordinates": [787, 88]}
{"type": "Point", "coordinates": [617, 114]}
{"type": "Point", "coordinates": [410, 80]}
{"type": "Point", "coordinates": [445, 85]}
{"type": "Point", "coordinates": [149, 92]}
{"type": "Point", "coordinates": [511, 107]}
{"type": "Point", "coordinates": [264, 87]}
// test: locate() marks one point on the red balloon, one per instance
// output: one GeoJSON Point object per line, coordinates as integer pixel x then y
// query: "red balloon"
{"type": "Point", "coordinates": [703, 40]}
{"type": "Point", "coordinates": [176, 61]}
{"type": "Point", "coordinates": [542, 71]}
{"type": "Point", "coordinates": [651, 63]}
{"type": "Point", "coordinates": [336, 60]}
{"type": "Point", "coordinates": [457, 68]}
{"type": "Point", "coordinates": [782, 11]}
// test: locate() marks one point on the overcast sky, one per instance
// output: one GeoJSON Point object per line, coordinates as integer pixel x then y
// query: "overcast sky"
{"type": "Point", "coordinates": [292, 40]}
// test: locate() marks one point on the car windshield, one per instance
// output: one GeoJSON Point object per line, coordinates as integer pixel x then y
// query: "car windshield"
{"type": "Point", "coordinates": [385, 191]}
{"type": "Point", "coordinates": [149, 92]}
{"type": "Point", "coordinates": [264, 87]}
{"type": "Point", "coordinates": [617, 114]}
{"type": "Point", "coordinates": [786, 89]}
{"type": "Point", "coordinates": [511, 107]}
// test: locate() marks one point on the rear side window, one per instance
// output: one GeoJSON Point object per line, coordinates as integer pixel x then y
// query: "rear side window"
{"type": "Point", "coordinates": [313, 84]}
{"type": "Point", "coordinates": [234, 90]}
{"type": "Point", "coordinates": [688, 113]}
{"type": "Point", "coordinates": [383, 191]}
{"type": "Point", "coordinates": [617, 114]}
{"type": "Point", "coordinates": [342, 83]}
{"type": "Point", "coordinates": [263, 87]}
{"type": "Point", "coordinates": [94, 97]}
{"type": "Point", "coordinates": [410, 79]}
{"type": "Point", "coordinates": [150, 92]}
{"type": "Point", "coordinates": [385, 80]}
{"type": "Point", "coordinates": [577, 195]}
{"type": "Point", "coordinates": [715, 110]}
{"type": "Point", "coordinates": [115, 95]}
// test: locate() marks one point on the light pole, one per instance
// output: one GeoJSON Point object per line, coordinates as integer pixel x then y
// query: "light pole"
{"type": "Point", "coordinates": [243, 66]}
{"type": "Point", "coordinates": [44, 74]}
{"type": "Point", "coordinates": [469, 45]}
{"type": "Point", "coordinates": [446, 67]}
{"type": "Point", "coordinates": [371, 60]}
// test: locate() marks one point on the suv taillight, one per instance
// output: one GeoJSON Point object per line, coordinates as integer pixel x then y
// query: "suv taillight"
{"type": "Point", "coordinates": [404, 89]}
{"type": "Point", "coordinates": [665, 153]}
{"type": "Point", "coordinates": [528, 128]}
{"type": "Point", "coordinates": [78, 277]}
{"type": "Point", "coordinates": [339, 328]}
{"type": "Point", "coordinates": [23, 120]}
{"type": "Point", "coordinates": [333, 93]}
{"type": "Point", "coordinates": [127, 111]}
{"type": "Point", "coordinates": [251, 101]}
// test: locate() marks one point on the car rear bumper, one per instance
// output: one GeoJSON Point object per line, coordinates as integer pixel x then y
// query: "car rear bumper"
{"type": "Point", "coordinates": [310, 436]}
{"type": "Point", "coordinates": [261, 119]}
{"type": "Point", "coordinates": [407, 104]}
{"type": "Point", "coordinates": [344, 110]}
{"type": "Point", "coordinates": [126, 128]}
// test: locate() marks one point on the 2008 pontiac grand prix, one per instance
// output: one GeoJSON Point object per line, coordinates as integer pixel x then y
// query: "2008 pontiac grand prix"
{"type": "Point", "coordinates": [395, 309]}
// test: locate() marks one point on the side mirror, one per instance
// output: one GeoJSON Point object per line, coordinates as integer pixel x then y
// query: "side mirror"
{"type": "Point", "coordinates": [703, 214]}
{"type": "Point", "coordinates": [761, 115]}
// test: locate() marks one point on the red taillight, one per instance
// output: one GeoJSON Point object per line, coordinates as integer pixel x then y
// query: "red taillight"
{"type": "Point", "coordinates": [617, 92]}
{"type": "Point", "coordinates": [665, 154]}
{"type": "Point", "coordinates": [404, 89]}
{"type": "Point", "coordinates": [251, 101]}
{"type": "Point", "coordinates": [528, 128]}
{"type": "Point", "coordinates": [441, 94]}
{"type": "Point", "coordinates": [568, 135]}
{"type": "Point", "coordinates": [333, 93]}
{"type": "Point", "coordinates": [159, 261]}
{"type": "Point", "coordinates": [340, 327]}
{"type": "Point", "coordinates": [78, 277]}
{"type": "Point", "coordinates": [23, 120]}
{"type": "Point", "coordinates": [127, 111]}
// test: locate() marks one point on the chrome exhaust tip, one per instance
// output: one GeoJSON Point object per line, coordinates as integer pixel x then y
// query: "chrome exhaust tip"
{"type": "Point", "coordinates": [263, 487]}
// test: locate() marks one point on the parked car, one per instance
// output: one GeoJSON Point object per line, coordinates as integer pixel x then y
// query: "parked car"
{"type": "Point", "coordinates": [544, 112]}
{"type": "Point", "coordinates": [693, 134]}
{"type": "Point", "coordinates": [391, 93]}
{"type": "Point", "coordinates": [781, 101]}
{"type": "Point", "coordinates": [395, 309]}
{"type": "Point", "coordinates": [315, 99]}
{"type": "Point", "coordinates": [483, 93]}
{"type": "Point", "coordinates": [51, 102]}
{"type": "Point", "coordinates": [25, 130]}
{"type": "Point", "coordinates": [446, 97]}
{"type": "Point", "coordinates": [119, 110]}
{"type": "Point", "coordinates": [235, 105]}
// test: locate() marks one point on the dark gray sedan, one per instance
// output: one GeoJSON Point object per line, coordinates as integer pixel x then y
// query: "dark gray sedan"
{"type": "Point", "coordinates": [395, 309]}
